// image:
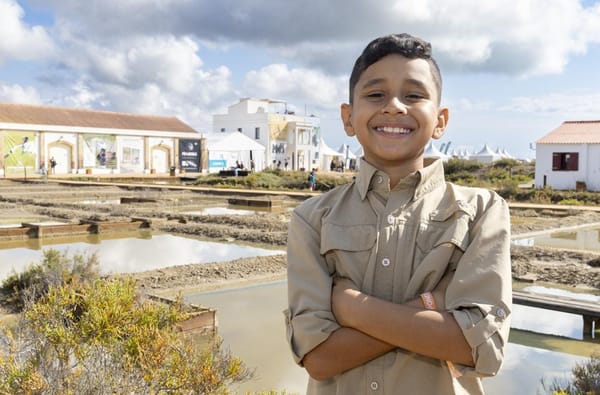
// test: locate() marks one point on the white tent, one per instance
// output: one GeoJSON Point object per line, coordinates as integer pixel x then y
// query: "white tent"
{"type": "Point", "coordinates": [327, 154]}
{"type": "Point", "coordinates": [486, 155]}
{"type": "Point", "coordinates": [347, 155]}
{"type": "Point", "coordinates": [224, 149]}
{"type": "Point", "coordinates": [431, 151]}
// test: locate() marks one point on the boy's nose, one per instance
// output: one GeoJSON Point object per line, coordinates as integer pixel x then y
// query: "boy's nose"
{"type": "Point", "coordinates": [394, 105]}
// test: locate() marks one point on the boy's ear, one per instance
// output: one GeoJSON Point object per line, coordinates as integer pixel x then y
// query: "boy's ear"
{"type": "Point", "coordinates": [346, 114]}
{"type": "Point", "coordinates": [442, 119]}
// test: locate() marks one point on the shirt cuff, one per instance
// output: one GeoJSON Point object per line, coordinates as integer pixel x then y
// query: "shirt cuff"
{"type": "Point", "coordinates": [486, 329]}
{"type": "Point", "coordinates": [307, 331]}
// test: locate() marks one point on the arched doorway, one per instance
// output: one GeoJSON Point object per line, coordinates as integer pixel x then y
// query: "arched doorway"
{"type": "Point", "coordinates": [160, 160]}
{"type": "Point", "coordinates": [62, 156]}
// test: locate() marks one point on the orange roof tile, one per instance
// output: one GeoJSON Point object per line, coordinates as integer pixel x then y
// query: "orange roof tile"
{"type": "Point", "coordinates": [573, 132]}
{"type": "Point", "coordinates": [57, 116]}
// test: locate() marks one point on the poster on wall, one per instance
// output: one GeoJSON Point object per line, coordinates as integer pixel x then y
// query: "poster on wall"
{"type": "Point", "coordinates": [99, 151]}
{"type": "Point", "coordinates": [189, 155]}
{"type": "Point", "coordinates": [20, 152]}
{"type": "Point", "coordinates": [131, 155]}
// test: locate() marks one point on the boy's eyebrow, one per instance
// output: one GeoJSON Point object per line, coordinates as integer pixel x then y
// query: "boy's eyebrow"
{"type": "Point", "coordinates": [375, 81]}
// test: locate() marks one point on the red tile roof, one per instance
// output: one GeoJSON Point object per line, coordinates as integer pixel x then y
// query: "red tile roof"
{"type": "Point", "coordinates": [573, 132]}
{"type": "Point", "coordinates": [57, 116]}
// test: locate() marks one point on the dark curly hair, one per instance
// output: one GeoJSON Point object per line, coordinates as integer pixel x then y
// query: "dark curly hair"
{"type": "Point", "coordinates": [402, 44]}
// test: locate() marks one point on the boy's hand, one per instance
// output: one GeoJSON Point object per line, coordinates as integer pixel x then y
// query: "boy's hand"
{"type": "Point", "coordinates": [343, 295]}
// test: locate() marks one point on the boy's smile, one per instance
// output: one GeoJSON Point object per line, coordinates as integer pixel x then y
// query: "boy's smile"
{"type": "Point", "coordinates": [394, 114]}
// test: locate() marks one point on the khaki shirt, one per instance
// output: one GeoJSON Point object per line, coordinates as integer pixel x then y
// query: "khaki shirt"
{"type": "Point", "coordinates": [394, 245]}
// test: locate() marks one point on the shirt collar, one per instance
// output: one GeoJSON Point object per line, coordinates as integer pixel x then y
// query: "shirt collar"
{"type": "Point", "coordinates": [423, 180]}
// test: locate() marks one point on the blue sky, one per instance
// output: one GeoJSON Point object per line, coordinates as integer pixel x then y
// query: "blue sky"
{"type": "Point", "coordinates": [513, 70]}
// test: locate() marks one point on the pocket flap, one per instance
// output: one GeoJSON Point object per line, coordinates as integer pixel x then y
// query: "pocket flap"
{"type": "Point", "coordinates": [445, 213]}
{"type": "Point", "coordinates": [347, 237]}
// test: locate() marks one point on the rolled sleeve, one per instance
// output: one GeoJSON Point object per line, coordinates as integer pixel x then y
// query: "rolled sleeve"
{"type": "Point", "coordinates": [309, 318]}
{"type": "Point", "coordinates": [480, 296]}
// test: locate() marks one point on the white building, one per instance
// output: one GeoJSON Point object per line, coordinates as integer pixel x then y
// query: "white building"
{"type": "Point", "coordinates": [569, 154]}
{"type": "Point", "coordinates": [83, 141]}
{"type": "Point", "coordinates": [288, 138]}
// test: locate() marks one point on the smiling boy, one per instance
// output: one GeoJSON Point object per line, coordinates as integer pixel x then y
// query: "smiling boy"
{"type": "Point", "coordinates": [398, 282]}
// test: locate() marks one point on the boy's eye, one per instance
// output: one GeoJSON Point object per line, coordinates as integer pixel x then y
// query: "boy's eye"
{"type": "Point", "coordinates": [375, 95]}
{"type": "Point", "coordinates": [415, 96]}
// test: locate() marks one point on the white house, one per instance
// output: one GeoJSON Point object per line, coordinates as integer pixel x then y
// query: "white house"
{"type": "Point", "coordinates": [287, 137]}
{"type": "Point", "coordinates": [569, 154]}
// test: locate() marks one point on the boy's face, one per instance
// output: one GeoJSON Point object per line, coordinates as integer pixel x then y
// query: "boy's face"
{"type": "Point", "coordinates": [395, 112]}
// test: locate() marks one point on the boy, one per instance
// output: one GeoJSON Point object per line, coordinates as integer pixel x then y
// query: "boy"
{"type": "Point", "coordinates": [398, 282]}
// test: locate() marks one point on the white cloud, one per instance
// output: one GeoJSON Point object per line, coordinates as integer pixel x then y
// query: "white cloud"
{"type": "Point", "coordinates": [575, 106]}
{"type": "Point", "coordinates": [279, 81]}
{"type": "Point", "coordinates": [20, 41]}
{"type": "Point", "coordinates": [17, 94]}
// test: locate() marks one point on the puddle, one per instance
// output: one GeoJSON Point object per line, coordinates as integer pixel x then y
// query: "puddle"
{"type": "Point", "coordinates": [131, 254]}
{"type": "Point", "coordinates": [577, 240]}
{"type": "Point", "coordinates": [529, 356]}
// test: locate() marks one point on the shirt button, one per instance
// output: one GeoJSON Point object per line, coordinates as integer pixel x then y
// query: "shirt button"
{"type": "Point", "coordinates": [391, 219]}
{"type": "Point", "coordinates": [500, 313]}
{"type": "Point", "coordinates": [379, 179]}
{"type": "Point", "coordinates": [385, 262]}
{"type": "Point", "coordinates": [374, 385]}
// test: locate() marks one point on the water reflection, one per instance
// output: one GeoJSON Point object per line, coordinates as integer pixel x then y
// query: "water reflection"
{"type": "Point", "coordinates": [130, 254]}
{"type": "Point", "coordinates": [251, 323]}
{"type": "Point", "coordinates": [219, 211]}
{"type": "Point", "coordinates": [579, 240]}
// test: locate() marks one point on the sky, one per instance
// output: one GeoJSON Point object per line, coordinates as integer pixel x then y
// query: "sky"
{"type": "Point", "coordinates": [513, 70]}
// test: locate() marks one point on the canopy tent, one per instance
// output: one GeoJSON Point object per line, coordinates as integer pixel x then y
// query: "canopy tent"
{"type": "Point", "coordinates": [431, 151]}
{"type": "Point", "coordinates": [224, 149]}
{"type": "Point", "coordinates": [327, 155]}
{"type": "Point", "coordinates": [486, 155]}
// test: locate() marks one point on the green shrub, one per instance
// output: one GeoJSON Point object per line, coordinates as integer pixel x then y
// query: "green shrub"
{"type": "Point", "coordinates": [55, 269]}
{"type": "Point", "coordinates": [585, 380]}
{"type": "Point", "coordinates": [100, 337]}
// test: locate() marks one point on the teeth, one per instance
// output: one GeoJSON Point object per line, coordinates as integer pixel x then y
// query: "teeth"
{"type": "Point", "coordinates": [387, 129]}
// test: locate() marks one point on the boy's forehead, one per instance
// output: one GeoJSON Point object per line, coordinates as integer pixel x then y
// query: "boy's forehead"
{"type": "Point", "coordinates": [398, 67]}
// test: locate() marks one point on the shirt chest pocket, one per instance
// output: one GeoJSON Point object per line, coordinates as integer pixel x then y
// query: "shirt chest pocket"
{"type": "Point", "coordinates": [448, 225]}
{"type": "Point", "coordinates": [348, 248]}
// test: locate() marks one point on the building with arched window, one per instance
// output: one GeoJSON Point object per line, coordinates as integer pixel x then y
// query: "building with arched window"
{"type": "Point", "coordinates": [80, 141]}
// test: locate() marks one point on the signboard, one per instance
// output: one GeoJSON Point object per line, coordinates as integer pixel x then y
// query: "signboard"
{"type": "Point", "coordinates": [189, 155]}
{"type": "Point", "coordinates": [99, 151]}
{"type": "Point", "coordinates": [217, 163]}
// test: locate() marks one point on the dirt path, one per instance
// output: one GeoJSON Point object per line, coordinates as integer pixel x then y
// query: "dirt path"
{"type": "Point", "coordinates": [167, 210]}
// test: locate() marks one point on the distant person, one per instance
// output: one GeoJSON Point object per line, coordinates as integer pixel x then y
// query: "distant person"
{"type": "Point", "coordinates": [312, 180]}
{"type": "Point", "coordinates": [52, 165]}
{"type": "Point", "coordinates": [252, 165]}
{"type": "Point", "coordinates": [285, 164]}
{"type": "Point", "coordinates": [398, 282]}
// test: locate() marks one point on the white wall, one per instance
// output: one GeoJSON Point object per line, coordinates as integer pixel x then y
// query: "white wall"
{"type": "Point", "coordinates": [564, 180]}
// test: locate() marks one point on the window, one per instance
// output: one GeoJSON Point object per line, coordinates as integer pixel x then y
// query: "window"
{"type": "Point", "coordinates": [222, 130]}
{"type": "Point", "coordinates": [565, 161]}
{"type": "Point", "coordinates": [256, 133]}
